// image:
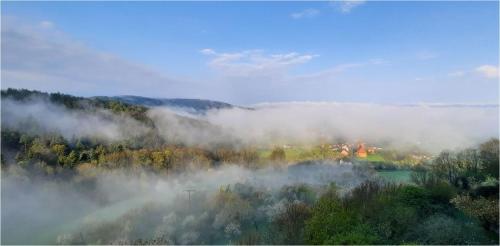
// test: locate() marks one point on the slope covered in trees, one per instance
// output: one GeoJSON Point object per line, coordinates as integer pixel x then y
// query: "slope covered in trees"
{"type": "Point", "coordinates": [142, 186]}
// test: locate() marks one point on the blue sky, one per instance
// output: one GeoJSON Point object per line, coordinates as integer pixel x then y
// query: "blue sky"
{"type": "Point", "coordinates": [250, 52]}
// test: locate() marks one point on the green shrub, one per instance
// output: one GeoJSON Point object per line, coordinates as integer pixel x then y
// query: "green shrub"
{"type": "Point", "coordinates": [360, 234]}
{"type": "Point", "coordinates": [441, 229]}
{"type": "Point", "coordinates": [486, 210]}
{"type": "Point", "coordinates": [329, 218]}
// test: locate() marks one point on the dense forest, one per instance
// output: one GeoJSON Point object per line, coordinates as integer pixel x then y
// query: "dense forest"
{"type": "Point", "coordinates": [171, 191]}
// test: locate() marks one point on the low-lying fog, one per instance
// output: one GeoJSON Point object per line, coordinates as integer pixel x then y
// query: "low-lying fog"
{"type": "Point", "coordinates": [116, 207]}
{"type": "Point", "coordinates": [120, 207]}
{"type": "Point", "coordinates": [430, 127]}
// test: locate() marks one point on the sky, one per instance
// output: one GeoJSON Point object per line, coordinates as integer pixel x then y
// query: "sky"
{"type": "Point", "coordinates": [253, 52]}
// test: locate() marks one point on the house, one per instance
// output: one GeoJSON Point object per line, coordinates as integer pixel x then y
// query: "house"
{"type": "Point", "coordinates": [345, 151]}
{"type": "Point", "coordinates": [361, 151]}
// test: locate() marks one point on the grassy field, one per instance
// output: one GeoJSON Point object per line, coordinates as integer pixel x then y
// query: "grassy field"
{"type": "Point", "coordinates": [397, 176]}
{"type": "Point", "coordinates": [375, 157]}
{"type": "Point", "coordinates": [295, 154]}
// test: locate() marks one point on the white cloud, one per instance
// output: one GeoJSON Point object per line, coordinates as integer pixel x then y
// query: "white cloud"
{"type": "Point", "coordinates": [254, 62]}
{"type": "Point", "coordinates": [306, 13]}
{"type": "Point", "coordinates": [348, 5]}
{"type": "Point", "coordinates": [488, 71]}
{"type": "Point", "coordinates": [250, 74]}
{"type": "Point", "coordinates": [207, 51]}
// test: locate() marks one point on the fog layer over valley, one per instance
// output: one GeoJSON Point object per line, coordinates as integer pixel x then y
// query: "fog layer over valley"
{"type": "Point", "coordinates": [345, 122]}
{"type": "Point", "coordinates": [120, 206]}
{"type": "Point", "coordinates": [91, 171]}
{"type": "Point", "coordinates": [38, 116]}
{"type": "Point", "coordinates": [430, 128]}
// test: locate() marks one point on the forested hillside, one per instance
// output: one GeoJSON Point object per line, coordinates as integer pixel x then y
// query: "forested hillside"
{"type": "Point", "coordinates": [114, 172]}
{"type": "Point", "coordinates": [196, 105]}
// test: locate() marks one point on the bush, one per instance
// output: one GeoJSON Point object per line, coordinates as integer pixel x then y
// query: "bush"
{"type": "Point", "coordinates": [441, 229]}
{"type": "Point", "coordinates": [360, 234]}
{"type": "Point", "coordinates": [486, 210]}
{"type": "Point", "coordinates": [329, 218]}
{"type": "Point", "coordinates": [415, 197]}
{"type": "Point", "coordinates": [441, 192]}
{"type": "Point", "coordinates": [393, 220]}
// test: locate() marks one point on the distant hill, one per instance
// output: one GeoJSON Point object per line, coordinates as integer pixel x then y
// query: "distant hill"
{"type": "Point", "coordinates": [198, 105]}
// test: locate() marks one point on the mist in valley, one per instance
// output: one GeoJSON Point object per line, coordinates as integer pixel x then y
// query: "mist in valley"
{"type": "Point", "coordinates": [224, 203]}
{"type": "Point", "coordinates": [122, 207]}
{"type": "Point", "coordinates": [431, 128]}
{"type": "Point", "coordinates": [39, 116]}
{"type": "Point", "coordinates": [346, 122]}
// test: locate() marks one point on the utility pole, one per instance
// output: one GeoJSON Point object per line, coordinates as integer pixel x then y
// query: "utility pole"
{"type": "Point", "coordinates": [189, 190]}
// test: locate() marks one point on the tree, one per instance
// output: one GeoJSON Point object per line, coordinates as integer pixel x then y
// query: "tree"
{"type": "Point", "coordinates": [469, 163]}
{"type": "Point", "coordinates": [100, 154]}
{"type": "Point", "coordinates": [249, 156]}
{"type": "Point", "coordinates": [445, 166]}
{"type": "Point", "coordinates": [486, 210]}
{"type": "Point", "coordinates": [71, 159]}
{"type": "Point", "coordinates": [332, 222]}
{"type": "Point", "coordinates": [39, 150]}
{"type": "Point", "coordinates": [25, 140]}
{"type": "Point", "coordinates": [441, 229]}
{"type": "Point", "coordinates": [59, 149]}
{"type": "Point", "coordinates": [158, 159]}
{"type": "Point", "coordinates": [278, 154]}
{"type": "Point", "coordinates": [289, 224]}
{"type": "Point", "coordinates": [489, 157]}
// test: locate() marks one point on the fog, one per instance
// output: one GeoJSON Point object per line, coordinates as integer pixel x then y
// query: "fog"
{"type": "Point", "coordinates": [214, 205]}
{"type": "Point", "coordinates": [185, 127]}
{"type": "Point", "coordinates": [121, 206]}
{"type": "Point", "coordinates": [38, 116]}
{"type": "Point", "coordinates": [430, 127]}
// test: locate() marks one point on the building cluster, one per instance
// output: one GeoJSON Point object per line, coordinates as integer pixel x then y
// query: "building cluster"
{"type": "Point", "coordinates": [359, 150]}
